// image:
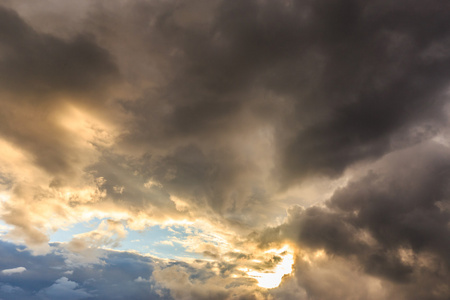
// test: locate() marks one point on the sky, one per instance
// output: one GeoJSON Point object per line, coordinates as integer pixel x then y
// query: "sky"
{"type": "Point", "coordinates": [225, 149]}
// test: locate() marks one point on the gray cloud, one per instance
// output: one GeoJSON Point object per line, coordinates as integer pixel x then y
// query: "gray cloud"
{"type": "Point", "coordinates": [226, 107]}
{"type": "Point", "coordinates": [39, 74]}
{"type": "Point", "coordinates": [50, 276]}
{"type": "Point", "coordinates": [391, 223]}
{"type": "Point", "coordinates": [64, 288]}
{"type": "Point", "coordinates": [336, 82]}
{"type": "Point", "coordinates": [353, 73]}
{"type": "Point", "coordinates": [47, 65]}
{"type": "Point", "coordinates": [118, 275]}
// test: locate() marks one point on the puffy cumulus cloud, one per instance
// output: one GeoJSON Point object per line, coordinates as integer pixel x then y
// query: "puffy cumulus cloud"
{"type": "Point", "coordinates": [222, 115]}
{"type": "Point", "coordinates": [51, 276]}
{"type": "Point", "coordinates": [64, 288]}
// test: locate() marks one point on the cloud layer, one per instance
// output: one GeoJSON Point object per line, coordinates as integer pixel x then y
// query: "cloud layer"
{"type": "Point", "coordinates": [318, 127]}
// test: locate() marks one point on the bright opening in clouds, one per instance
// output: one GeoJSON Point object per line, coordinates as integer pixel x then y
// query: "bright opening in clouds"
{"type": "Point", "coordinates": [272, 278]}
{"type": "Point", "coordinates": [225, 149]}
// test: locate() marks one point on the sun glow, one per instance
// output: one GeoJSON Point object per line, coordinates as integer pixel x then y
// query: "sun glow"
{"type": "Point", "coordinates": [272, 278]}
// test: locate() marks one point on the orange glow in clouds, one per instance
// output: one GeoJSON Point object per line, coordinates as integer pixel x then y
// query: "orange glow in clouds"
{"type": "Point", "coordinates": [271, 279]}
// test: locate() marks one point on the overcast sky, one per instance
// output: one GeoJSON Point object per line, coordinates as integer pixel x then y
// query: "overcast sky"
{"type": "Point", "coordinates": [225, 149]}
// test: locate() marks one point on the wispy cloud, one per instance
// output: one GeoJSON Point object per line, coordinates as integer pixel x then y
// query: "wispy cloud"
{"type": "Point", "coordinates": [14, 271]}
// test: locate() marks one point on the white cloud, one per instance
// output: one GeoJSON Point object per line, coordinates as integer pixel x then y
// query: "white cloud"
{"type": "Point", "coordinates": [14, 270]}
{"type": "Point", "coordinates": [140, 279]}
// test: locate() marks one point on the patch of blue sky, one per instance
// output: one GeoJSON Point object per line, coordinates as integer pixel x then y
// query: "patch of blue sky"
{"type": "Point", "coordinates": [4, 228]}
{"type": "Point", "coordinates": [163, 242]}
{"type": "Point", "coordinates": [66, 234]}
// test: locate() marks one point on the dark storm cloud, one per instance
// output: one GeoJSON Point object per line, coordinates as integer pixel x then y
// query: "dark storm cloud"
{"type": "Point", "coordinates": [211, 183]}
{"type": "Point", "coordinates": [40, 73]}
{"type": "Point", "coordinates": [371, 74]}
{"type": "Point", "coordinates": [204, 177]}
{"type": "Point", "coordinates": [39, 65]}
{"type": "Point", "coordinates": [133, 184]}
{"type": "Point", "coordinates": [392, 223]}
{"type": "Point", "coordinates": [356, 72]}
{"type": "Point", "coordinates": [230, 102]}
{"type": "Point", "coordinates": [339, 81]}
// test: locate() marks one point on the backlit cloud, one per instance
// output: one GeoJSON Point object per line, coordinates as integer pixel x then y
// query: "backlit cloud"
{"type": "Point", "coordinates": [224, 149]}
